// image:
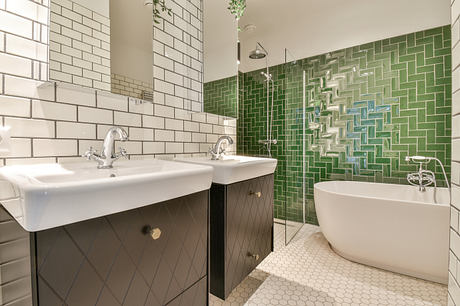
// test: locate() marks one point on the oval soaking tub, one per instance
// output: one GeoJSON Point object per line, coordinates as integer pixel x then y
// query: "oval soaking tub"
{"type": "Point", "coordinates": [392, 227]}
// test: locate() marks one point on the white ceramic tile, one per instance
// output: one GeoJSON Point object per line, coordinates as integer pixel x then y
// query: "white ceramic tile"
{"type": "Point", "coordinates": [183, 136]}
{"type": "Point", "coordinates": [128, 119]}
{"type": "Point", "coordinates": [15, 24]}
{"type": "Point", "coordinates": [173, 124]}
{"type": "Point", "coordinates": [205, 128]}
{"type": "Point", "coordinates": [131, 147]}
{"type": "Point", "coordinates": [163, 111]}
{"type": "Point", "coordinates": [183, 114]}
{"type": "Point", "coordinates": [19, 147]}
{"type": "Point", "coordinates": [73, 130]}
{"type": "Point", "coordinates": [191, 126]}
{"type": "Point", "coordinates": [51, 110]}
{"type": "Point", "coordinates": [54, 147]}
{"type": "Point", "coordinates": [163, 135]}
{"type": "Point", "coordinates": [26, 48]}
{"type": "Point", "coordinates": [141, 134]}
{"type": "Point", "coordinates": [21, 127]}
{"type": "Point", "coordinates": [308, 272]}
{"type": "Point", "coordinates": [16, 65]}
{"type": "Point", "coordinates": [198, 137]}
{"type": "Point", "coordinates": [173, 148]}
{"type": "Point", "coordinates": [191, 147]}
{"type": "Point", "coordinates": [84, 145]}
{"type": "Point", "coordinates": [28, 9]}
{"type": "Point", "coordinates": [112, 101]}
{"type": "Point", "coordinates": [21, 87]}
{"type": "Point", "coordinates": [154, 147]}
{"type": "Point", "coordinates": [94, 115]}
{"type": "Point", "coordinates": [153, 122]}
{"type": "Point", "coordinates": [11, 106]}
{"type": "Point", "coordinates": [145, 108]}
{"type": "Point", "coordinates": [199, 117]}
{"type": "Point", "coordinates": [76, 95]}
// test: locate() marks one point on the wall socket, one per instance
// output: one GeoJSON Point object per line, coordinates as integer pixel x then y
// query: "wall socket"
{"type": "Point", "coordinates": [5, 140]}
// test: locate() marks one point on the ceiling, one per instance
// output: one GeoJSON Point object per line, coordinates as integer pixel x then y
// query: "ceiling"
{"type": "Point", "coordinates": [312, 27]}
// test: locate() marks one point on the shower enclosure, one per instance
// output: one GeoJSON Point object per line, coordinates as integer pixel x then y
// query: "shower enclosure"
{"type": "Point", "coordinates": [271, 124]}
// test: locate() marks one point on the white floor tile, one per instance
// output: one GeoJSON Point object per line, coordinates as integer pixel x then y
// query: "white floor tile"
{"type": "Point", "coordinates": [308, 272]}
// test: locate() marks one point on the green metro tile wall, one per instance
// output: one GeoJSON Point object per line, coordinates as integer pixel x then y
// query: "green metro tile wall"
{"type": "Point", "coordinates": [367, 107]}
{"type": "Point", "coordinates": [221, 97]}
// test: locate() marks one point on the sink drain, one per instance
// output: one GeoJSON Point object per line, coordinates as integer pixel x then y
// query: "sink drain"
{"type": "Point", "coordinates": [112, 175]}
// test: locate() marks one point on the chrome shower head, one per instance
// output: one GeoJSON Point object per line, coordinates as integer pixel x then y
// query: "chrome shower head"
{"type": "Point", "coordinates": [258, 53]}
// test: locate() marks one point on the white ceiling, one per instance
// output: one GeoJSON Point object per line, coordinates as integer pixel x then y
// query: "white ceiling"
{"type": "Point", "coordinates": [312, 27]}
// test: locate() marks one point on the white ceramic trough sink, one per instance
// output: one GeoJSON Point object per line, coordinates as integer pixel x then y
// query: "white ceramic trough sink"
{"type": "Point", "coordinates": [44, 196]}
{"type": "Point", "coordinates": [235, 168]}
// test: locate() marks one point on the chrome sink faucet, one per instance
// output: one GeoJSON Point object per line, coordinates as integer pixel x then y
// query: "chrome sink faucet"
{"type": "Point", "coordinates": [108, 156]}
{"type": "Point", "coordinates": [217, 152]}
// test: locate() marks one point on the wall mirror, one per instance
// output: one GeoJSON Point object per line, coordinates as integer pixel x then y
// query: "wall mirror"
{"type": "Point", "coordinates": [103, 44]}
{"type": "Point", "coordinates": [220, 59]}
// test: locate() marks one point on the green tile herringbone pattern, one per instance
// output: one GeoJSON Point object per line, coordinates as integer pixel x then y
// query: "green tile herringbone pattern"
{"type": "Point", "coordinates": [221, 97]}
{"type": "Point", "coordinates": [367, 107]}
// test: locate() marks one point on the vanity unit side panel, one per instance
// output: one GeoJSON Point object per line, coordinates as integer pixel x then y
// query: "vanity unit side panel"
{"type": "Point", "coordinates": [15, 263]}
{"type": "Point", "coordinates": [217, 241]}
{"type": "Point", "coordinates": [115, 260]}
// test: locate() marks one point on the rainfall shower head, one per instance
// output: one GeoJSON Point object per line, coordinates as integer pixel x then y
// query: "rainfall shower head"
{"type": "Point", "coordinates": [258, 53]}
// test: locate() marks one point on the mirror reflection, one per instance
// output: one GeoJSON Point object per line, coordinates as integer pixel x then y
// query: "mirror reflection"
{"type": "Point", "coordinates": [220, 59]}
{"type": "Point", "coordinates": [92, 45]}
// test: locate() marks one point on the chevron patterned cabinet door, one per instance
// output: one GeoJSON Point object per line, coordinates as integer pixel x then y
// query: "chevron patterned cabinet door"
{"type": "Point", "coordinates": [113, 260]}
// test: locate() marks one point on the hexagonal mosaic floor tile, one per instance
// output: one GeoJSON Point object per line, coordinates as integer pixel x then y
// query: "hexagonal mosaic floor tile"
{"type": "Point", "coordinates": [308, 272]}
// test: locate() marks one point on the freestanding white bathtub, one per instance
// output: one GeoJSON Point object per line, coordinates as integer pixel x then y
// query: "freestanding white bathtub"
{"type": "Point", "coordinates": [392, 227]}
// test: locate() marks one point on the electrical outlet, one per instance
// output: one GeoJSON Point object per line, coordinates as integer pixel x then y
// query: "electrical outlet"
{"type": "Point", "coordinates": [5, 140]}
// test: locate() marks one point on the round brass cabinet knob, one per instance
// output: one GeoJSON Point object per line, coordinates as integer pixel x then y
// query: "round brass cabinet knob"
{"type": "Point", "coordinates": [257, 194]}
{"type": "Point", "coordinates": [155, 233]}
{"type": "Point", "coordinates": [255, 256]}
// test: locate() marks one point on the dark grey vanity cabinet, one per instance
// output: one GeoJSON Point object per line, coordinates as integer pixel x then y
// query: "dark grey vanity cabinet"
{"type": "Point", "coordinates": [154, 255]}
{"type": "Point", "coordinates": [241, 231]}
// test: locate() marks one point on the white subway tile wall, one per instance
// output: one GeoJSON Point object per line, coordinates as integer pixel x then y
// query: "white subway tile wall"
{"type": "Point", "coordinates": [178, 56]}
{"type": "Point", "coordinates": [59, 122]}
{"type": "Point", "coordinates": [79, 45]}
{"type": "Point", "coordinates": [454, 254]}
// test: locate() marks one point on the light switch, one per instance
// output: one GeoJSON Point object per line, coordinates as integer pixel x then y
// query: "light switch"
{"type": "Point", "coordinates": [5, 140]}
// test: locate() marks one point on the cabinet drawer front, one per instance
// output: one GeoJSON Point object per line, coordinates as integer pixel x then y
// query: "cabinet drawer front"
{"type": "Point", "coordinates": [114, 260]}
{"type": "Point", "coordinates": [248, 227]}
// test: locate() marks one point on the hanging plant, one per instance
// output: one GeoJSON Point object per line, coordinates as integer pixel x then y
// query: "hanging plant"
{"type": "Point", "coordinates": [237, 7]}
{"type": "Point", "coordinates": [159, 7]}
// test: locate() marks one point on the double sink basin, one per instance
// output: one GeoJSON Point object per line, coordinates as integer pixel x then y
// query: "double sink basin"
{"type": "Point", "coordinates": [45, 196]}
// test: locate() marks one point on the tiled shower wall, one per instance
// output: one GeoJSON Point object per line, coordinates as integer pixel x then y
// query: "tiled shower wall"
{"type": "Point", "coordinates": [367, 107]}
{"type": "Point", "coordinates": [454, 254]}
{"type": "Point", "coordinates": [221, 97]}
{"type": "Point", "coordinates": [58, 123]}
{"type": "Point", "coordinates": [79, 45]}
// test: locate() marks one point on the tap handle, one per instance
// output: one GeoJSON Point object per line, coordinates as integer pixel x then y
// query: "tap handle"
{"type": "Point", "coordinates": [122, 153]}
{"type": "Point", "coordinates": [90, 153]}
